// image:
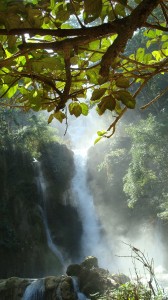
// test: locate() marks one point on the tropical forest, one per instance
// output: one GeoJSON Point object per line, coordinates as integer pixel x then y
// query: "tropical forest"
{"type": "Point", "coordinates": [83, 149]}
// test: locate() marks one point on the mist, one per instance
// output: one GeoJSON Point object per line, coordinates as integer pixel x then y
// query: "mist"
{"type": "Point", "coordinates": [109, 225]}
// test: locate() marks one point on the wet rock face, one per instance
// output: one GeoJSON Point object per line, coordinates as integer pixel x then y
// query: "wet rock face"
{"type": "Point", "coordinates": [49, 288]}
{"type": "Point", "coordinates": [24, 251]}
{"type": "Point", "coordinates": [57, 163]}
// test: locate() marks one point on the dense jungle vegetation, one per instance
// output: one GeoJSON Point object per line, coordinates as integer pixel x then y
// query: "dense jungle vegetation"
{"type": "Point", "coordinates": [66, 58]}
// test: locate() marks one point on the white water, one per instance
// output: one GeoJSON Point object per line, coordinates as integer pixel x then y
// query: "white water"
{"type": "Point", "coordinates": [35, 291]}
{"type": "Point", "coordinates": [80, 296]}
{"type": "Point", "coordinates": [92, 241]}
{"type": "Point", "coordinates": [84, 200]}
{"type": "Point", "coordinates": [42, 188]}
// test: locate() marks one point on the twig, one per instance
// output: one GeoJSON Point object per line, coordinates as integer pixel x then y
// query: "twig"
{"type": "Point", "coordinates": [9, 87]}
{"type": "Point", "coordinates": [155, 99]}
{"type": "Point", "coordinates": [66, 121]}
{"type": "Point", "coordinates": [79, 21]}
{"type": "Point", "coordinates": [113, 125]}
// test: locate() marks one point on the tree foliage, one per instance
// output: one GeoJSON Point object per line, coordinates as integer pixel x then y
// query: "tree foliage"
{"type": "Point", "coordinates": [146, 177]}
{"type": "Point", "coordinates": [25, 131]}
{"type": "Point", "coordinates": [64, 56]}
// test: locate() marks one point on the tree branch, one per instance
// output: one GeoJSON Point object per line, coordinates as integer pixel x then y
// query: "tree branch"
{"type": "Point", "coordinates": [59, 46]}
{"type": "Point", "coordinates": [164, 12]}
{"type": "Point", "coordinates": [154, 26]}
{"type": "Point", "coordinates": [65, 95]}
{"type": "Point", "coordinates": [100, 30]}
{"type": "Point", "coordinates": [113, 125]}
{"type": "Point", "coordinates": [42, 79]}
{"type": "Point", "coordinates": [127, 27]}
{"type": "Point", "coordinates": [155, 99]}
{"type": "Point", "coordinates": [12, 83]}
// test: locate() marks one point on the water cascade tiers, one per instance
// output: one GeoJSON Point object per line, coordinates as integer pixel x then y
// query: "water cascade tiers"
{"type": "Point", "coordinates": [82, 281]}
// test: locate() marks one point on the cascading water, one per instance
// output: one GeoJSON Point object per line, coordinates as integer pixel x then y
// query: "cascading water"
{"type": "Point", "coordinates": [91, 228]}
{"type": "Point", "coordinates": [92, 241]}
{"type": "Point", "coordinates": [80, 296]}
{"type": "Point", "coordinates": [43, 195]}
{"type": "Point", "coordinates": [35, 291]}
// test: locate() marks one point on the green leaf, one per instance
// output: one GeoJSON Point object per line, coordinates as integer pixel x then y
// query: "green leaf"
{"type": "Point", "coordinates": [60, 116]}
{"type": "Point", "coordinates": [107, 102]}
{"type": "Point", "coordinates": [74, 60]}
{"type": "Point", "coordinates": [140, 54]}
{"type": "Point", "coordinates": [97, 140]}
{"type": "Point", "coordinates": [52, 4]}
{"type": "Point", "coordinates": [164, 38]}
{"type": "Point", "coordinates": [63, 15]}
{"type": "Point", "coordinates": [151, 42]}
{"type": "Point", "coordinates": [51, 117]}
{"type": "Point", "coordinates": [157, 55]}
{"type": "Point", "coordinates": [94, 45]}
{"type": "Point", "coordinates": [101, 133]}
{"type": "Point", "coordinates": [97, 94]}
{"type": "Point", "coordinates": [12, 91]}
{"type": "Point", "coordinates": [93, 7]}
{"type": "Point", "coordinates": [120, 10]}
{"type": "Point", "coordinates": [122, 82]}
{"type": "Point", "coordinates": [150, 33]}
{"type": "Point", "coordinates": [92, 76]}
{"type": "Point", "coordinates": [165, 45]}
{"type": "Point", "coordinates": [111, 16]}
{"type": "Point", "coordinates": [126, 98]}
{"type": "Point", "coordinates": [50, 107]}
{"type": "Point", "coordinates": [48, 38]}
{"type": "Point", "coordinates": [118, 109]}
{"type": "Point", "coordinates": [147, 58]}
{"type": "Point", "coordinates": [85, 108]}
{"type": "Point", "coordinates": [96, 57]}
{"type": "Point", "coordinates": [75, 109]}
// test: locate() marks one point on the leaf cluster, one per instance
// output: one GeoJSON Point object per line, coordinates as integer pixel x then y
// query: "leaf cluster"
{"type": "Point", "coordinates": [54, 55]}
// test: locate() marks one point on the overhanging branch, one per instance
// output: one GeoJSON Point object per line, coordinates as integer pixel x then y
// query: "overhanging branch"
{"type": "Point", "coordinates": [100, 30]}
{"type": "Point", "coordinates": [128, 26]}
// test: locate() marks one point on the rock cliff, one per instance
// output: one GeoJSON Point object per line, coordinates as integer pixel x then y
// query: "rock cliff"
{"type": "Point", "coordinates": [23, 245]}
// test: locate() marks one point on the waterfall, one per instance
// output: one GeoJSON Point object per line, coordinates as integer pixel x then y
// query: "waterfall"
{"type": "Point", "coordinates": [80, 296]}
{"type": "Point", "coordinates": [41, 182]}
{"type": "Point", "coordinates": [92, 241]}
{"type": "Point", "coordinates": [91, 230]}
{"type": "Point", "coordinates": [35, 291]}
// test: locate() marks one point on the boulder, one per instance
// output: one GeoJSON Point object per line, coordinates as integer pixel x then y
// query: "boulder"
{"type": "Point", "coordinates": [94, 280]}
{"type": "Point", "coordinates": [90, 262]}
{"type": "Point", "coordinates": [74, 270]}
{"type": "Point", "coordinates": [13, 288]}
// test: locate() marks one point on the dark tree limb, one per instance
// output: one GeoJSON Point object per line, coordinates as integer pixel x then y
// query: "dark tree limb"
{"type": "Point", "coordinates": [127, 27]}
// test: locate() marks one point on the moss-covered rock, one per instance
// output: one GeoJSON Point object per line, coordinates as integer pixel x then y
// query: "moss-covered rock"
{"type": "Point", "coordinates": [94, 280]}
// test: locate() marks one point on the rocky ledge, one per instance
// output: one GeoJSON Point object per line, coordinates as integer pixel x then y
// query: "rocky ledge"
{"type": "Point", "coordinates": [85, 280]}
